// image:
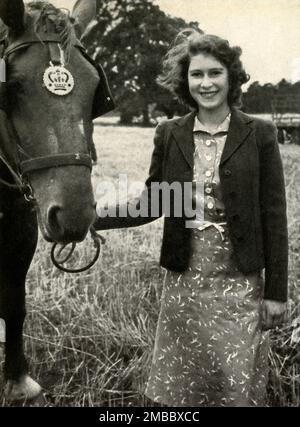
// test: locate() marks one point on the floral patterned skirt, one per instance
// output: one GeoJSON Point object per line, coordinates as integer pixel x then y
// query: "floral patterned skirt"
{"type": "Point", "coordinates": [209, 348]}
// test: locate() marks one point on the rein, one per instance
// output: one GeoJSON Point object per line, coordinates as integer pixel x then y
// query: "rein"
{"type": "Point", "coordinates": [25, 167]}
{"type": "Point", "coordinates": [97, 239]}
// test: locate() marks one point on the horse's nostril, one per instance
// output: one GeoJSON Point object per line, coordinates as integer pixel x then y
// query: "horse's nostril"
{"type": "Point", "coordinates": [53, 221]}
{"type": "Point", "coordinates": [65, 225]}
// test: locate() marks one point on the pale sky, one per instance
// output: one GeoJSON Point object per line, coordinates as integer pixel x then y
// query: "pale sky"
{"type": "Point", "coordinates": [268, 31]}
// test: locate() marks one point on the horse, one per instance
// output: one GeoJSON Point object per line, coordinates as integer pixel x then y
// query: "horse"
{"type": "Point", "coordinates": [53, 91]}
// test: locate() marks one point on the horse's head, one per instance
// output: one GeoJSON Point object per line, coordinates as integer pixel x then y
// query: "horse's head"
{"type": "Point", "coordinates": [51, 111]}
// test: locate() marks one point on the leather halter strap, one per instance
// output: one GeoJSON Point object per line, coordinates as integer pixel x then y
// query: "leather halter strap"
{"type": "Point", "coordinates": [54, 161]}
{"type": "Point", "coordinates": [31, 39]}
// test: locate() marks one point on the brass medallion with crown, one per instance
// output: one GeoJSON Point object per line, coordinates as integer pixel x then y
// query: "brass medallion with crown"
{"type": "Point", "coordinates": [58, 80]}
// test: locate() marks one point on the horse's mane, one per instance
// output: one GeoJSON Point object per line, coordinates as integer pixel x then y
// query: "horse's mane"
{"type": "Point", "coordinates": [42, 12]}
{"type": "Point", "coordinates": [59, 19]}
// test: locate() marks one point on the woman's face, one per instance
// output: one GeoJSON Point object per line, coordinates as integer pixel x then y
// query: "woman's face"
{"type": "Point", "coordinates": [208, 82]}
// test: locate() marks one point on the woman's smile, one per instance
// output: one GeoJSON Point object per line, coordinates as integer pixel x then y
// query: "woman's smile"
{"type": "Point", "coordinates": [209, 95]}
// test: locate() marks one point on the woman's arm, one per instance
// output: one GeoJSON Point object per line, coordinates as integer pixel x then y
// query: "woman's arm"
{"type": "Point", "coordinates": [273, 216]}
{"type": "Point", "coordinates": [145, 199]}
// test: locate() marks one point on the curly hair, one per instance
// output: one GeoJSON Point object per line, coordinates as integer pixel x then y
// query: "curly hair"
{"type": "Point", "coordinates": [176, 63]}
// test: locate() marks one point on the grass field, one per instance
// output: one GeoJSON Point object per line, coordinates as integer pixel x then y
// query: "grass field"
{"type": "Point", "coordinates": [89, 337]}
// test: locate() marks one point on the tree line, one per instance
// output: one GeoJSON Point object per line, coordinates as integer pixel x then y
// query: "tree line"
{"type": "Point", "coordinates": [130, 37]}
{"type": "Point", "coordinates": [268, 98]}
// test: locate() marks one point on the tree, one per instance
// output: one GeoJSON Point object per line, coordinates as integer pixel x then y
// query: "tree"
{"type": "Point", "coordinates": [259, 99]}
{"type": "Point", "coordinates": [130, 39]}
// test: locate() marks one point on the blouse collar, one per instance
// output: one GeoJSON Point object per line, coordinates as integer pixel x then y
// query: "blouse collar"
{"type": "Point", "coordinates": [223, 127]}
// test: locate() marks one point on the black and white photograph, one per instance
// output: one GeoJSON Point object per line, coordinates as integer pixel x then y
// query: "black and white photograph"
{"type": "Point", "coordinates": [149, 205]}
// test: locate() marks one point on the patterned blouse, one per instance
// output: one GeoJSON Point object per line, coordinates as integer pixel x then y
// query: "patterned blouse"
{"type": "Point", "coordinates": [208, 151]}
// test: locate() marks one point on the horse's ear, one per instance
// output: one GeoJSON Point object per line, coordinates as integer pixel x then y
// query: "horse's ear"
{"type": "Point", "coordinates": [12, 14]}
{"type": "Point", "coordinates": [84, 11]}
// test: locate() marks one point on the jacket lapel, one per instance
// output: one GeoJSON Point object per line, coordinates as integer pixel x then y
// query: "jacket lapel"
{"type": "Point", "coordinates": [238, 131]}
{"type": "Point", "coordinates": [183, 134]}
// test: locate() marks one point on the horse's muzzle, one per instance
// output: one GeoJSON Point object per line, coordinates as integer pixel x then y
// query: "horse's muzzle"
{"type": "Point", "coordinates": [65, 226]}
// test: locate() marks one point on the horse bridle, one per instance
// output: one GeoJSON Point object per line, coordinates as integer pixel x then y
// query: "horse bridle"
{"type": "Point", "coordinates": [50, 161]}
{"type": "Point", "coordinates": [26, 167]}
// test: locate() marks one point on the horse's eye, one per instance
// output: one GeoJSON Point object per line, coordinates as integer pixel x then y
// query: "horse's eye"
{"type": "Point", "coordinates": [13, 89]}
{"type": "Point", "coordinates": [13, 86]}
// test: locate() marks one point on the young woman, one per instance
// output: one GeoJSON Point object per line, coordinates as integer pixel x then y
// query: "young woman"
{"type": "Point", "coordinates": [211, 348]}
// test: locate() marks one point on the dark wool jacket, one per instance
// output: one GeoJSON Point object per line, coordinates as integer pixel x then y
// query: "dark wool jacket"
{"type": "Point", "coordinates": [252, 184]}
